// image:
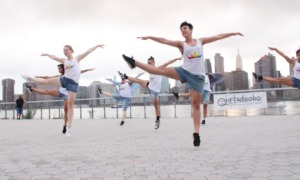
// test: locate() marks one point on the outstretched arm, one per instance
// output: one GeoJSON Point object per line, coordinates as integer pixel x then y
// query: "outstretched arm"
{"type": "Point", "coordinates": [206, 40]}
{"type": "Point", "coordinates": [86, 70]}
{"type": "Point", "coordinates": [80, 57]}
{"type": "Point", "coordinates": [137, 76]}
{"type": "Point", "coordinates": [288, 59]}
{"type": "Point", "coordinates": [173, 43]}
{"type": "Point", "coordinates": [61, 60]}
{"type": "Point", "coordinates": [169, 62]}
{"type": "Point", "coordinates": [114, 82]}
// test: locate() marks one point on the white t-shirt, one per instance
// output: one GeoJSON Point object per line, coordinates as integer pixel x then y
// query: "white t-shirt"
{"type": "Point", "coordinates": [193, 60]}
{"type": "Point", "coordinates": [297, 70]}
{"type": "Point", "coordinates": [155, 82]}
{"type": "Point", "coordinates": [72, 70]}
{"type": "Point", "coordinates": [125, 90]}
{"type": "Point", "coordinates": [207, 84]}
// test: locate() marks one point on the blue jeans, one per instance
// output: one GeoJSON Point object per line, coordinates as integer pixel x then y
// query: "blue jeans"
{"type": "Point", "coordinates": [296, 82]}
{"type": "Point", "coordinates": [69, 84]}
{"type": "Point", "coordinates": [125, 101]}
{"type": "Point", "coordinates": [196, 82]}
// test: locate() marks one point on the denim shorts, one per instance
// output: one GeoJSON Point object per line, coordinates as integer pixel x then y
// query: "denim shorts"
{"type": "Point", "coordinates": [153, 94]}
{"type": "Point", "coordinates": [196, 82]}
{"type": "Point", "coordinates": [296, 82]}
{"type": "Point", "coordinates": [205, 97]}
{"type": "Point", "coordinates": [62, 96]}
{"type": "Point", "coordinates": [125, 100]}
{"type": "Point", "coordinates": [69, 84]}
{"type": "Point", "coordinates": [19, 110]}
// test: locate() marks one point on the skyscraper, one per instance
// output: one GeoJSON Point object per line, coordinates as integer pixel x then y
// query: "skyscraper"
{"type": "Point", "coordinates": [8, 90]}
{"type": "Point", "coordinates": [266, 66]}
{"type": "Point", "coordinates": [208, 68]}
{"type": "Point", "coordinates": [219, 68]}
{"type": "Point", "coordinates": [236, 80]}
{"type": "Point", "coordinates": [165, 85]}
{"type": "Point", "coordinates": [239, 64]}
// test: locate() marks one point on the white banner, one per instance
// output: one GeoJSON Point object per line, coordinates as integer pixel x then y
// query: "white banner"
{"type": "Point", "coordinates": [240, 100]}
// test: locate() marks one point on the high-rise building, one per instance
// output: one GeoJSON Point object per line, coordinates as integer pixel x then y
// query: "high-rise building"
{"type": "Point", "coordinates": [208, 68]}
{"type": "Point", "coordinates": [236, 80]}
{"type": "Point", "coordinates": [165, 85]}
{"type": "Point", "coordinates": [239, 64]}
{"type": "Point", "coordinates": [266, 66]}
{"type": "Point", "coordinates": [219, 68]}
{"type": "Point", "coordinates": [8, 90]}
{"type": "Point", "coordinates": [83, 93]}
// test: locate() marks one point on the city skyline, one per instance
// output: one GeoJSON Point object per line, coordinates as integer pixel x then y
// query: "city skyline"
{"type": "Point", "coordinates": [31, 27]}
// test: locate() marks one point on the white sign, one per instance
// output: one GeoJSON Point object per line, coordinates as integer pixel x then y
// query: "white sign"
{"type": "Point", "coordinates": [240, 100]}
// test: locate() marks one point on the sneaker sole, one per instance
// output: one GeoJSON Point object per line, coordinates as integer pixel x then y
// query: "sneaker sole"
{"type": "Point", "coordinates": [127, 63]}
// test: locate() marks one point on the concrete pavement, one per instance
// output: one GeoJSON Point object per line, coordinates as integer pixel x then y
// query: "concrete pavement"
{"type": "Point", "coordinates": [257, 147]}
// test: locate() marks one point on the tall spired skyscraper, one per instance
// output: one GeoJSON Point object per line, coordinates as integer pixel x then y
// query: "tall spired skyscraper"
{"type": "Point", "coordinates": [239, 64]}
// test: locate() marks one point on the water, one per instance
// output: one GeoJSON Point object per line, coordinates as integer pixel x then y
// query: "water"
{"type": "Point", "coordinates": [274, 108]}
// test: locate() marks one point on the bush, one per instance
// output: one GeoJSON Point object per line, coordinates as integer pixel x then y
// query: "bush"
{"type": "Point", "coordinates": [29, 114]}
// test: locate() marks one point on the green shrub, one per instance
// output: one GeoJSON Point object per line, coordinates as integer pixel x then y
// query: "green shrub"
{"type": "Point", "coordinates": [29, 114]}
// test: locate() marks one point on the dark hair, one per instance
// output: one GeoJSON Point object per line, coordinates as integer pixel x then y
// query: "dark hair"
{"type": "Point", "coordinates": [151, 58]}
{"type": "Point", "coordinates": [186, 24]}
{"type": "Point", "coordinates": [298, 51]}
{"type": "Point", "coordinates": [69, 47]}
{"type": "Point", "coordinates": [62, 67]}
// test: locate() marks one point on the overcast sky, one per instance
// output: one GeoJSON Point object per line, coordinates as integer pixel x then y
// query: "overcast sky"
{"type": "Point", "coordinates": [31, 27]}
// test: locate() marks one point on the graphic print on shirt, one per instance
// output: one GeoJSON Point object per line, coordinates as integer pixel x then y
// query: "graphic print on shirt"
{"type": "Point", "coordinates": [194, 55]}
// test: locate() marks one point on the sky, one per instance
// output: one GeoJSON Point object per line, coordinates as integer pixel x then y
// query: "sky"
{"type": "Point", "coordinates": [31, 27]}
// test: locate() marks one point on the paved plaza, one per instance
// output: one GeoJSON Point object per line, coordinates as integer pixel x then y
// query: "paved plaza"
{"type": "Point", "coordinates": [257, 147]}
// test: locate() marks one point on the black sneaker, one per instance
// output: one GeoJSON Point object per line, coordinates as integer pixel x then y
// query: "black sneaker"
{"type": "Point", "coordinates": [122, 123]}
{"type": "Point", "coordinates": [197, 140]}
{"type": "Point", "coordinates": [64, 130]}
{"type": "Point", "coordinates": [258, 78]}
{"type": "Point", "coordinates": [100, 90]}
{"type": "Point", "coordinates": [122, 76]}
{"type": "Point", "coordinates": [176, 95]}
{"type": "Point", "coordinates": [28, 88]}
{"type": "Point", "coordinates": [157, 123]}
{"type": "Point", "coordinates": [130, 61]}
{"type": "Point", "coordinates": [203, 121]}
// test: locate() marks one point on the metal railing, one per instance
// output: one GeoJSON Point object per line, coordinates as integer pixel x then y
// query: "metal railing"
{"type": "Point", "coordinates": [142, 107]}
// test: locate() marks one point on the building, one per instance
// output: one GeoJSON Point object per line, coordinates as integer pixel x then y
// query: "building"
{"type": "Point", "coordinates": [266, 66]}
{"type": "Point", "coordinates": [208, 68]}
{"type": "Point", "coordinates": [83, 93]}
{"type": "Point", "coordinates": [165, 85]}
{"type": "Point", "coordinates": [8, 90]}
{"type": "Point", "coordinates": [236, 80]}
{"type": "Point", "coordinates": [239, 63]}
{"type": "Point", "coordinates": [219, 68]}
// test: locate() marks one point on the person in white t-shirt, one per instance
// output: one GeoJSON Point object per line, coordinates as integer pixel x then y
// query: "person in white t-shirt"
{"type": "Point", "coordinates": [153, 85]}
{"type": "Point", "coordinates": [60, 92]}
{"type": "Point", "coordinates": [125, 92]}
{"type": "Point", "coordinates": [293, 81]}
{"type": "Point", "coordinates": [70, 80]}
{"type": "Point", "coordinates": [192, 71]}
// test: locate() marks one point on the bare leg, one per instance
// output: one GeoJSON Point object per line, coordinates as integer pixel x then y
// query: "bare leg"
{"type": "Point", "coordinates": [285, 81]}
{"type": "Point", "coordinates": [156, 106]}
{"type": "Point", "coordinates": [143, 83]}
{"type": "Point", "coordinates": [124, 115]}
{"type": "Point", "coordinates": [196, 100]}
{"type": "Point", "coordinates": [52, 81]}
{"type": "Point", "coordinates": [107, 94]}
{"type": "Point", "coordinates": [169, 72]}
{"type": "Point", "coordinates": [66, 112]}
{"type": "Point", "coordinates": [185, 94]}
{"type": "Point", "coordinates": [51, 92]}
{"type": "Point", "coordinates": [204, 111]}
{"type": "Point", "coordinates": [71, 100]}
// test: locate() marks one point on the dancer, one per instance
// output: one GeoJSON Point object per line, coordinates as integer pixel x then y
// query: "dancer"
{"type": "Point", "coordinates": [193, 69]}
{"type": "Point", "coordinates": [210, 81]}
{"type": "Point", "coordinates": [69, 80]}
{"type": "Point", "coordinates": [293, 81]}
{"type": "Point", "coordinates": [125, 92]}
{"type": "Point", "coordinates": [19, 106]}
{"type": "Point", "coordinates": [60, 92]}
{"type": "Point", "coordinates": [153, 85]}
